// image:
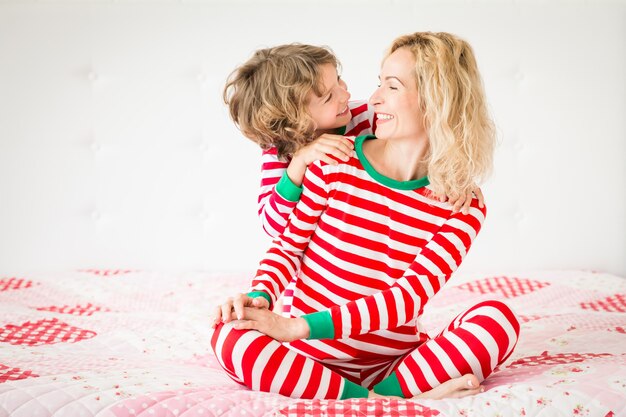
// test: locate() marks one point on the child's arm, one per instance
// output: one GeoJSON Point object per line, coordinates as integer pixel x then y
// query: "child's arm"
{"type": "Point", "coordinates": [320, 149]}
{"type": "Point", "coordinates": [463, 202]}
{"type": "Point", "coordinates": [277, 195]}
{"type": "Point", "coordinates": [281, 181]}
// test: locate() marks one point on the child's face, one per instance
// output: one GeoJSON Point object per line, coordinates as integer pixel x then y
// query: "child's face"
{"type": "Point", "coordinates": [331, 110]}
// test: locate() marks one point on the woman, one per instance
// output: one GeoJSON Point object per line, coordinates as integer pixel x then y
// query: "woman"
{"type": "Point", "coordinates": [370, 245]}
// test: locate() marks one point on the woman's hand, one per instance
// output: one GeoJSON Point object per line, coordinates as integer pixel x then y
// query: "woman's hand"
{"type": "Point", "coordinates": [463, 202]}
{"type": "Point", "coordinates": [320, 149]}
{"type": "Point", "coordinates": [275, 326]}
{"type": "Point", "coordinates": [236, 307]}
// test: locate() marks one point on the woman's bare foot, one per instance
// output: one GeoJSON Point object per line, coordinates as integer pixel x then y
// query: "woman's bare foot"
{"type": "Point", "coordinates": [460, 387]}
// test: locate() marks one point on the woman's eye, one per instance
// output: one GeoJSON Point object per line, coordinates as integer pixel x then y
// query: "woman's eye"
{"type": "Point", "coordinates": [328, 99]}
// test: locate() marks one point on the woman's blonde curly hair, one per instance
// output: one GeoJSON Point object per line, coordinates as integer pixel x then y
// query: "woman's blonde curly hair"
{"type": "Point", "coordinates": [452, 99]}
{"type": "Point", "coordinates": [268, 95]}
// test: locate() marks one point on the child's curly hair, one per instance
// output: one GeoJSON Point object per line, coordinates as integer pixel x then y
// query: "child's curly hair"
{"type": "Point", "coordinates": [267, 96]}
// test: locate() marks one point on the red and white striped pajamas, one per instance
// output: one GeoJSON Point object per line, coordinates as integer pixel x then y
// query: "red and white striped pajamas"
{"type": "Point", "coordinates": [368, 252]}
{"type": "Point", "coordinates": [277, 199]}
{"type": "Point", "coordinates": [278, 196]}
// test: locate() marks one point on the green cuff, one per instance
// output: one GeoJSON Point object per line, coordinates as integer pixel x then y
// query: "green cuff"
{"type": "Point", "coordinates": [287, 189]}
{"type": "Point", "coordinates": [320, 325]}
{"type": "Point", "coordinates": [389, 386]}
{"type": "Point", "coordinates": [255, 294]}
{"type": "Point", "coordinates": [352, 390]}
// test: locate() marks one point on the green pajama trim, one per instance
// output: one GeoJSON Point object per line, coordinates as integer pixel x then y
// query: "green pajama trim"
{"type": "Point", "coordinates": [389, 182]}
{"type": "Point", "coordinates": [287, 189]}
{"type": "Point", "coordinates": [320, 325]}
{"type": "Point", "coordinates": [389, 386]}
{"type": "Point", "coordinates": [352, 390]}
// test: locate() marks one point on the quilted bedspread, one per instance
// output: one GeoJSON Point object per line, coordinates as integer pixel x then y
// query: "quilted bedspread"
{"type": "Point", "coordinates": [119, 343]}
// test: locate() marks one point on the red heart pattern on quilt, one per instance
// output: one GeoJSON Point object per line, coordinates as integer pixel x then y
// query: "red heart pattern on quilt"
{"type": "Point", "coordinates": [613, 304]}
{"type": "Point", "coordinates": [107, 272]}
{"type": "Point", "coordinates": [508, 287]}
{"type": "Point", "coordinates": [13, 374]}
{"type": "Point", "coordinates": [43, 332]}
{"type": "Point", "coordinates": [556, 359]}
{"type": "Point", "coordinates": [77, 310]}
{"type": "Point", "coordinates": [7, 284]}
{"type": "Point", "coordinates": [358, 407]}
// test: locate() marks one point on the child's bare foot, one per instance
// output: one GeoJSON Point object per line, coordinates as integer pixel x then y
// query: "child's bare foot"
{"type": "Point", "coordinates": [455, 388]}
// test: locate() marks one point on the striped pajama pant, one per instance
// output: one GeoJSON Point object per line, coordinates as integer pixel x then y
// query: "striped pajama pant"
{"type": "Point", "coordinates": [476, 341]}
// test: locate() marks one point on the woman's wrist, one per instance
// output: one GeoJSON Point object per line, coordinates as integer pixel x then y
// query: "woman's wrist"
{"type": "Point", "coordinates": [302, 328]}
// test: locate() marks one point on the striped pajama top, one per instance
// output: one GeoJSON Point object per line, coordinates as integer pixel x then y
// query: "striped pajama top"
{"type": "Point", "coordinates": [368, 253]}
{"type": "Point", "coordinates": [278, 195]}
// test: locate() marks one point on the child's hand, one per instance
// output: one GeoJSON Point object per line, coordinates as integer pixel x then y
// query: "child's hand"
{"type": "Point", "coordinates": [233, 308]}
{"type": "Point", "coordinates": [325, 146]}
{"type": "Point", "coordinates": [463, 202]}
{"type": "Point", "coordinates": [320, 149]}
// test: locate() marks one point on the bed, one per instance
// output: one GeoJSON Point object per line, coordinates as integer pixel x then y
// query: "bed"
{"type": "Point", "coordinates": [119, 343]}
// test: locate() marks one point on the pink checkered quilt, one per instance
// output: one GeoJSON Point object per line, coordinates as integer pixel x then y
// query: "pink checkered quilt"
{"type": "Point", "coordinates": [120, 343]}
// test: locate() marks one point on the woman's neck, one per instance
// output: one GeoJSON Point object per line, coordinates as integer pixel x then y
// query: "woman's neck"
{"type": "Point", "coordinates": [398, 159]}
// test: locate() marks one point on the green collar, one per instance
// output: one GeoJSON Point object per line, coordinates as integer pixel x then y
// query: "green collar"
{"type": "Point", "coordinates": [389, 182]}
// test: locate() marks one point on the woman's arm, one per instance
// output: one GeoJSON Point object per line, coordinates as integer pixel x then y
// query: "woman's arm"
{"type": "Point", "coordinates": [388, 309]}
{"type": "Point", "coordinates": [405, 299]}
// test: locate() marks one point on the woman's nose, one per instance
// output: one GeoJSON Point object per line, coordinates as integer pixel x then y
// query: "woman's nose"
{"type": "Point", "coordinates": [375, 98]}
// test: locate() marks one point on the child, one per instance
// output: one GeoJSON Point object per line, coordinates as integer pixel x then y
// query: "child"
{"type": "Point", "coordinates": [275, 98]}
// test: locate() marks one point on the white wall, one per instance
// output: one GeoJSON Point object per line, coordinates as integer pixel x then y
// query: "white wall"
{"type": "Point", "coordinates": [116, 151]}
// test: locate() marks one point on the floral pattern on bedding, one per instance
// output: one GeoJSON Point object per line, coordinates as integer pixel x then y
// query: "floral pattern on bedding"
{"type": "Point", "coordinates": [120, 343]}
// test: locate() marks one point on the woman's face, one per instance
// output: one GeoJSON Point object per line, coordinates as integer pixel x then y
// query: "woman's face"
{"type": "Point", "coordinates": [330, 111]}
{"type": "Point", "coordinates": [396, 101]}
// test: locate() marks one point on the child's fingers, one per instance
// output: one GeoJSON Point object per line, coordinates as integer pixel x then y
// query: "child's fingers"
{"type": "Point", "coordinates": [328, 159]}
{"type": "Point", "coordinates": [480, 196]}
{"type": "Point", "coordinates": [467, 204]}
{"type": "Point", "coordinates": [345, 145]}
{"type": "Point", "coordinates": [337, 138]}
{"type": "Point", "coordinates": [458, 204]}
{"type": "Point", "coordinates": [341, 154]}
{"type": "Point", "coordinates": [335, 150]}
{"type": "Point", "coordinates": [337, 141]}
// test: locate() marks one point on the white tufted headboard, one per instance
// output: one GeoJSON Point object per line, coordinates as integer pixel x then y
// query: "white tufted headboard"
{"type": "Point", "coordinates": [116, 151]}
